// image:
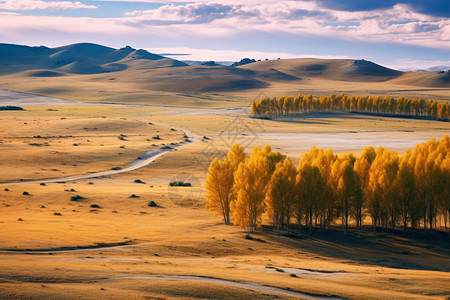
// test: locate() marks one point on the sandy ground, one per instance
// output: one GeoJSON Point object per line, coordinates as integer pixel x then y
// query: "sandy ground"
{"type": "Point", "coordinates": [55, 248]}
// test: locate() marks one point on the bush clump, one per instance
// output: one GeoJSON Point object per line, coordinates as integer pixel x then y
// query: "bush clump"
{"type": "Point", "coordinates": [138, 181]}
{"type": "Point", "coordinates": [10, 107]}
{"type": "Point", "coordinates": [152, 204]}
{"type": "Point", "coordinates": [95, 206]}
{"type": "Point", "coordinates": [76, 198]}
{"type": "Point", "coordinates": [180, 183]}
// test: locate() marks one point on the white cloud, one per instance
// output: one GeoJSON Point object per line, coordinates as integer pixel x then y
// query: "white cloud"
{"type": "Point", "coordinates": [38, 4]}
{"type": "Point", "coordinates": [149, 1]}
{"type": "Point", "coordinates": [5, 13]}
{"type": "Point", "coordinates": [227, 18]}
{"type": "Point", "coordinates": [415, 64]}
{"type": "Point", "coordinates": [398, 24]}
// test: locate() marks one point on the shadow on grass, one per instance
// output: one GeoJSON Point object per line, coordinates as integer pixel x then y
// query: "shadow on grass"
{"type": "Point", "coordinates": [404, 250]}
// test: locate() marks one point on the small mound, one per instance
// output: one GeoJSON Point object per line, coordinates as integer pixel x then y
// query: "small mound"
{"type": "Point", "coordinates": [45, 73]}
{"type": "Point", "coordinates": [64, 55]}
{"type": "Point", "coordinates": [275, 75]}
{"type": "Point", "coordinates": [202, 79]}
{"type": "Point", "coordinates": [142, 54]}
{"type": "Point", "coordinates": [332, 69]}
{"type": "Point", "coordinates": [81, 67]}
{"type": "Point", "coordinates": [425, 79]}
{"type": "Point", "coordinates": [368, 68]}
{"type": "Point", "coordinates": [315, 67]}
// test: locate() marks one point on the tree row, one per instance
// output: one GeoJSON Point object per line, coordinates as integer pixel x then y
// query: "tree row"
{"type": "Point", "coordinates": [389, 106]}
{"type": "Point", "coordinates": [382, 187]}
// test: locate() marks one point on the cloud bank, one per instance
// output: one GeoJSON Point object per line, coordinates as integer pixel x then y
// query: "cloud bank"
{"type": "Point", "coordinates": [42, 5]}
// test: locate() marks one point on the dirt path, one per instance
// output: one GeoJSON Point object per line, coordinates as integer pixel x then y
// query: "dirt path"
{"type": "Point", "coordinates": [23, 99]}
{"type": "Point", "coordinates": [243, 285]}
{"type": "Point", "coordinates": [140, 162]}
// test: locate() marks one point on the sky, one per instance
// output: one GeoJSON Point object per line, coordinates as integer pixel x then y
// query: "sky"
{"type": "Point", "coordinates": [402, 34]}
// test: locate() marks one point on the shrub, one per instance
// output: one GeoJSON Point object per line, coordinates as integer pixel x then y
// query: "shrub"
{"type": "Point", "coordinates": [138, 181]}
{"type": "Point", "coordinates": [9, 107]}
{"type": "Point", "coordinates": [42, 183]}
{"type": "Point", "coordinates": [25, 193]}
{"type": "Point", "coordinates": [95, 206]}
{"type": "Point", "coordinates": [134, 196]}
{"type": "Point", "coordinates": [180, 183]}
{"type": "Point", "coordinates": [152, 204]}
{"type": "Point", "coordinates": [76, 198]}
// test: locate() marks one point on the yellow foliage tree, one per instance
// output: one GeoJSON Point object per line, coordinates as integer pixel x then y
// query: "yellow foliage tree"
{"type": "Point", "coordinates": [381, 176]}
{"type": "Point", "coordinates": [404, 188]}
{"type": "Point", "coordinates": [346, 187]}
{"type": "Point", "coordinates": [250, 183]}
{"type": "Point", "coordinates": [219, 188]}
{"type": "Point", "coordinates": [236, 155]}
{"type": "Point", "coordinates": [389, 188]}
{"type": "Point", "coordinates": [281, 193]}
{"type": "Point", "coordinates": [361, 167]}
{"type": "Point", "coordinates": [311, 187]}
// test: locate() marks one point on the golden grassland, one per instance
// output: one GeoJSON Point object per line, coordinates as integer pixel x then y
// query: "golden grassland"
{"type": "Point", "coordinates": [180, 237]}
{"type": "Point", "coordinates": [63, 141]}
{"type": "Point", "coordinates": [161, 87]}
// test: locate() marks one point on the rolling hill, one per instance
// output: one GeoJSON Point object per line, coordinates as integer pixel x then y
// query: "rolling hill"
{"type": "Point", "coordinates": [78, 70]}
{"type": "Point", "coordinates": [334, 69]}
{"type": "Point", "coordinates": [83, 58]}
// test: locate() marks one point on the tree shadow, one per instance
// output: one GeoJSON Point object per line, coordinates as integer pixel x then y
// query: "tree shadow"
{"type": "Point", "coordinates": [403, 250]}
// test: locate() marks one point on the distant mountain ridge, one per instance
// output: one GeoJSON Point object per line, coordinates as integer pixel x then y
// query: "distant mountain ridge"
{"type": "Point", "coordinates": [141, 70]}
{"type": "Point", "coordinates": [82, 58]}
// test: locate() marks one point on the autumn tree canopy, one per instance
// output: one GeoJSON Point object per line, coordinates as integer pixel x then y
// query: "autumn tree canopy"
{"type": "Point", "coordinates": [407, 190]}
{"type": "Point", "coordinates": [387, 106]}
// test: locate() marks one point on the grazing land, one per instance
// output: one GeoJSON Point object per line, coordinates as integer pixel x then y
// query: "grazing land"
{"type": "Point", "coordinates": [99, 237]}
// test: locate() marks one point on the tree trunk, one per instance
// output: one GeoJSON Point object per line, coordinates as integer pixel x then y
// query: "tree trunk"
{"type": "Point", "coordinates": [424, 214]}
{"type": "Point", "coordinates": [310, 222]}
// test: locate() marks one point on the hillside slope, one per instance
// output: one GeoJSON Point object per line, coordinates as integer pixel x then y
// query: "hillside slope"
{"type": "Point", "coordinates": [333, 69]}
{"type": "Point", "coordinates": [96, 72]}
{"type": "Point", "coordinates": [82, 58]}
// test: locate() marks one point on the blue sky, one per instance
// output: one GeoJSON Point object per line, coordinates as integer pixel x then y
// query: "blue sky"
{"type": "Point", "coordinates": [396, 33]}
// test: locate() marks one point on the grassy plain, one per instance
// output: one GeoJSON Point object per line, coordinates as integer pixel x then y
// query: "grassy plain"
{"type": "Point", "coordinates": [55, 248]}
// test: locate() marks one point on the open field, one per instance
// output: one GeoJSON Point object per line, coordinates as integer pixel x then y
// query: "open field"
{"type": "Point", "coordinates": [109, 244]}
